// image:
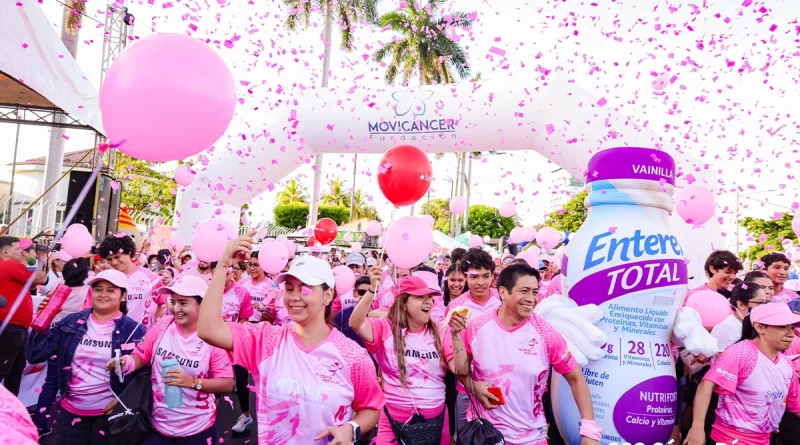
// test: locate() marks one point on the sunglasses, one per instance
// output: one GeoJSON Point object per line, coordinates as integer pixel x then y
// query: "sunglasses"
{"type": "Point", "coordinates": [361, 292]}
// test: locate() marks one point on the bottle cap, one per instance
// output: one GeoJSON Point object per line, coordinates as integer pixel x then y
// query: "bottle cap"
{"type": "Point", "coordinates": [631, 163]}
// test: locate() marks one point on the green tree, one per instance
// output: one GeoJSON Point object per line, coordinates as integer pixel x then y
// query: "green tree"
{"type": "Point", "coordinates": [295, 215]}
{"type": "Point", "coordinates": [292, 191]}
{"type": "Point", "coordinates": [439, 209]}
{"type": "Point", "coordinates": [572, 216]}
{"type": "Point", "coordinates": [775, 232]}
{"type": "Point", "coordinates": [362, 209]}
{"type": "Point", "coordinates": [337, 194]}
{"type": "Point", "coordinates": [144, 189]}
{"type": "Point", "coordinates": [424, 46]}
{"type": "Point", "coordinates": [485, 220]}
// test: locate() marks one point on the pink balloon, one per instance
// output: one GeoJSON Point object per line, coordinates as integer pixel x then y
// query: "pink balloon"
{"type": "Point", "coordinates": [168, 97]}
{"type": "Point", "coordinates": [408, 242]}
{"type": "Point", "coordinates": [796, 225]}
{"type": "Point", "coordinates": [184, 175]}
{"type": "Point", "coordinates": [508, 209]}
{"type": "Point", "coordinates": [291, 247]}
{"type": "Point", "coordinates": [535, 249]}
{"type": "Point", "coordinates": [281, 238]}
{"type": "Point", "coordinates": [457, 205]}
{"type": "Point", "coordinates": [344, 279]}
{"type": "Point", "coordinates": [547, 238]}
{"type": "Point", "coordinates": [696, 205]}
{"type": "Point", "coordinates": [76, 240]}
{"type": "Point", "coordinates": [712, 306]}
{"type": "Point", "coordinates": [530, 234]}
{"type": "Point", "coordinates": [429, 220]}
{"type": "Point", "coordinates": [373, 228]}
{"type": "Point", "coordinates": [530, 257]}
{"type": "Point", "coordinates": [517, 235]}
{"type": "Point", "coordinates": [177, 243]}
{"type": "Point", "coordinates": [273, 257]}
{"type": "Point", "coordinates": [210, 239]}
{"type": "Point", "coordinates": [475, 241]}
{"type": "Point", "coordinates": [661, 82]}
{"type": "Point", "coordinates": [355, 247]}
{"type": "Point", "coordinates": [347, 237]}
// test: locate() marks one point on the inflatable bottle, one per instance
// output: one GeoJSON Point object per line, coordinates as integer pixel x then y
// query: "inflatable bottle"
{"type": "Point", "coordinates": [626, 260]}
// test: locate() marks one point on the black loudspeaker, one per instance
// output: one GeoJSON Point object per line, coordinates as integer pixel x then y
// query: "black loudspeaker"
{"type": "Point", "coordinates": [84, 214]}
{"type": "Point", "coordinates": [105, 216]}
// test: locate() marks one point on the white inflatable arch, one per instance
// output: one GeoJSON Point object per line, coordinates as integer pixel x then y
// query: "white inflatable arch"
{"type": "Point", "coordinates": [562, 121]}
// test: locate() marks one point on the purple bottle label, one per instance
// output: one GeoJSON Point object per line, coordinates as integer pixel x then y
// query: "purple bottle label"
{"type": "Point", "coordinates": [646, 413]}
{"type": "Point", "coordinates": [631, 163]}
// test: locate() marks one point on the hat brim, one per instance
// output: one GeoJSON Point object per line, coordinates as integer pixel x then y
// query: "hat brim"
{"type": "Point", "coordinates": [783, 319]}
{"type": "Point", "coordinates": [304, 278]}
{"type": "Point", "coordinates": [97, 279]}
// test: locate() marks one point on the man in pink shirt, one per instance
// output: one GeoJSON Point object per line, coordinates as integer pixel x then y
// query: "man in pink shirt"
{"type": "Point", "coordinates": [119, 250]}
{"type": "Point", "coordinates": [776, 265]}
{"type": "Point", "coordinates": [511, 350]}
{"type": "Point", "coordinates": [721, 268]}
{"type": "Point", "coordinates": [478, 266]}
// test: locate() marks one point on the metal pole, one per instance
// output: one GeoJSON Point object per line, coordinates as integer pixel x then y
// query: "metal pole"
{"type": "Point", "coordinates": [737, 224]}
{"type": "Point", "coordinates": [469, 192]}
{"type": "Point", "coordinates": [353, 192]}
{"type": "Point", "coordinates": [13, 174]}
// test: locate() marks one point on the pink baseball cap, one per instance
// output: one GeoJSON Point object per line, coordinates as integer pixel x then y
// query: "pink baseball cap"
{"type": "Point", "coordinates": [413, 285]}
{"type": "Point", "coordinates": [774, 314]}
{"type": "Point", "coordinates": [114, 277]}
{"type": "Point", "coordinates": [60, 255]}
{"type": "Point", "coordinates": [430, 279]}
{"type": "Point", "coordinates": [187, 286]}
{"type": "Point", "coordinates": [25, 243]}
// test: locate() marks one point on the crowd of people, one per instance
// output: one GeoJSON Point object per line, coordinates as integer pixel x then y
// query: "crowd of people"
{"type": "Point", "coordinates": [450, 350]}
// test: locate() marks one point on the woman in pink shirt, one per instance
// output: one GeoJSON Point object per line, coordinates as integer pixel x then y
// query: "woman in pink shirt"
{"type": "Point", "coordinates": [205, 370]}
{"type": "Point", "coordinates": [755, 381]}
{"type": "Point", "coordinates": [17, 426]}
{"type": "Point", "coordinates": [313, 384]}
{"type": "Point", "coordinates": [411, 355]}
{"type": "Point", "coordinates": [512, 349]}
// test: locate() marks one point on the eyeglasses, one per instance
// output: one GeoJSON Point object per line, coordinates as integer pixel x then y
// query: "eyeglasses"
{"type": "Point", "coordinates": [236, 269]}
{"type": "Point", "coordinates": [253, 265]}
{"type": "Point", "coordinates": [758, 302]}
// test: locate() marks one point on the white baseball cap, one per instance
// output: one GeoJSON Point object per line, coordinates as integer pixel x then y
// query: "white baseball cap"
{"type": "Point", "coordinates": [187, 286]}
{"type": "Point", "coordinates": [355, 259]}
{"type": "Point", "coordinates": [309, 270]}
{"type": "Point", "coordinates": [113, 276]}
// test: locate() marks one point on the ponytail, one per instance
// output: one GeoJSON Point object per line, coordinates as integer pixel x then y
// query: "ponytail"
{"type": "Point", "coordinates": [748, 331]}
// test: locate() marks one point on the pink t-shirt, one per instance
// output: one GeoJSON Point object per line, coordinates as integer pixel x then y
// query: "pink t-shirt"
{"type": "Point", "coordinates": [475, 309]}
{"type": "Point", "coordinates": [301, 391]}
{"type": "Point", "coordinates": [784, 296]}
{"type": "Point", "coordinates": [754, 390]}
{"type": "Point", "coordinates": [424, 370]}
{"type": "Point", "coordinates": [17, 426]}
{"type": "Point", "coordinates": [195, 357]}
{"type": "Point", "coordinates": [690, 292]}
{"type": "Point", "coordinates": [141, 306]}
{"type": "Point", "coordinates": [794, 351]}
{"type": "Point", "coordinates": [89, 386]}
{"type": "Point", "coordinates": [259, 294]}
{"type": "Point", "coordinates": [518, 361]}
{"type": "Point", "coordinates": [281, 313]}
{"type": "Point", "coordinates": [384, 298]}
{"type": "Point", "coordinates": [236, 304]}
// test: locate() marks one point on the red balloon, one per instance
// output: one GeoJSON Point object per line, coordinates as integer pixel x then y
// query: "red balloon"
{"type": "Point", "coordinates": [311, 241]}
{"type": "Point", "coordinates": [325, 231]}
{"type": "Point", "coordinates": [404, 175]}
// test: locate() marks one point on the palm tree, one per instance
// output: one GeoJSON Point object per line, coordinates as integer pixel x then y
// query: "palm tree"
{"type": "Point", "coordinates": [292, 191]}
{"type": "Point", "coordinates": [424, 47]}
{"type": "Point", "coordinates": [338, 194]}
{"type": "Point", "coordinates": [347, 13]}
{"type": "Point", "coordinates": [361, 208]}
{"type": "Point", "coordinates": [70, 27]}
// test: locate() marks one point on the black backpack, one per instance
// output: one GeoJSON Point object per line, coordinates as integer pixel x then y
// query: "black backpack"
{"type": "Point", "coordinates": [479, 432]}
{"type": "Point", "coordinates": [131, 426]}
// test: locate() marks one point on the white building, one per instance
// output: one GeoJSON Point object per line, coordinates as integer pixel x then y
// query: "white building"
{"type": "Point", "coordinates": [29, 184]}
{"type": "Point", "coordinates": [565, 187]}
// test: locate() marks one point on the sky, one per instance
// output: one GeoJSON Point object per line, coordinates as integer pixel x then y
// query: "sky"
{"type": "Point", "coordinates": [732, 66]}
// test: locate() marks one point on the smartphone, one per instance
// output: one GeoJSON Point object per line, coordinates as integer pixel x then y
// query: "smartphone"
{"type": "Point", "coordinates": [497, 392]}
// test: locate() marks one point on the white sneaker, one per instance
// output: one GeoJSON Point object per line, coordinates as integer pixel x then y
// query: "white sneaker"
{"type": "Point", "coordinates": [242, 424]}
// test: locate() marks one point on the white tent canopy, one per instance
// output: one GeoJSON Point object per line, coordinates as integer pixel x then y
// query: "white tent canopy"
{"type": "Point", "coordinates": [32, 57]}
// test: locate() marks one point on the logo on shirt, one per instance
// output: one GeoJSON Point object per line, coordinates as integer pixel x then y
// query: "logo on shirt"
{"type": "Point", "coordinates": [528, 347]}
{"type": "Point", "coordinates": [327, 369]}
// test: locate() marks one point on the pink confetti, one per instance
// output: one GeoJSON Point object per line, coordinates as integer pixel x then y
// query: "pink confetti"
{"type": "Point", "coordinates": [25, 45]}
{"type": "Point", "coordinates": [167, 5]}
{"type": "Point", "coordinates": [612, 229]}
{"type": "Point", "coordinates": [602, 102]}
{"type": "Point", "coordinates": [498, 51]}
{"type": "Point", "coordinates": [550, 129]}
{"type": "Point", "coordinates": [75, 420]}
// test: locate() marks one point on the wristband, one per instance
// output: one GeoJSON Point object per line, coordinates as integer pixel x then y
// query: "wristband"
{"type": "Point", "coordinates": [128, 365]}
{"type": "Point", "coordinates": [590, 429]}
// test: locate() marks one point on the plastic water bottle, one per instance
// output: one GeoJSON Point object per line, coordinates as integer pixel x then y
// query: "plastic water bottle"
{"type": "Point", "coordinates": [43, 319]}
{"type": "Point", "coordinates": [173, 394]}
{"type": "Point", "coordinates": [626, 260]}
